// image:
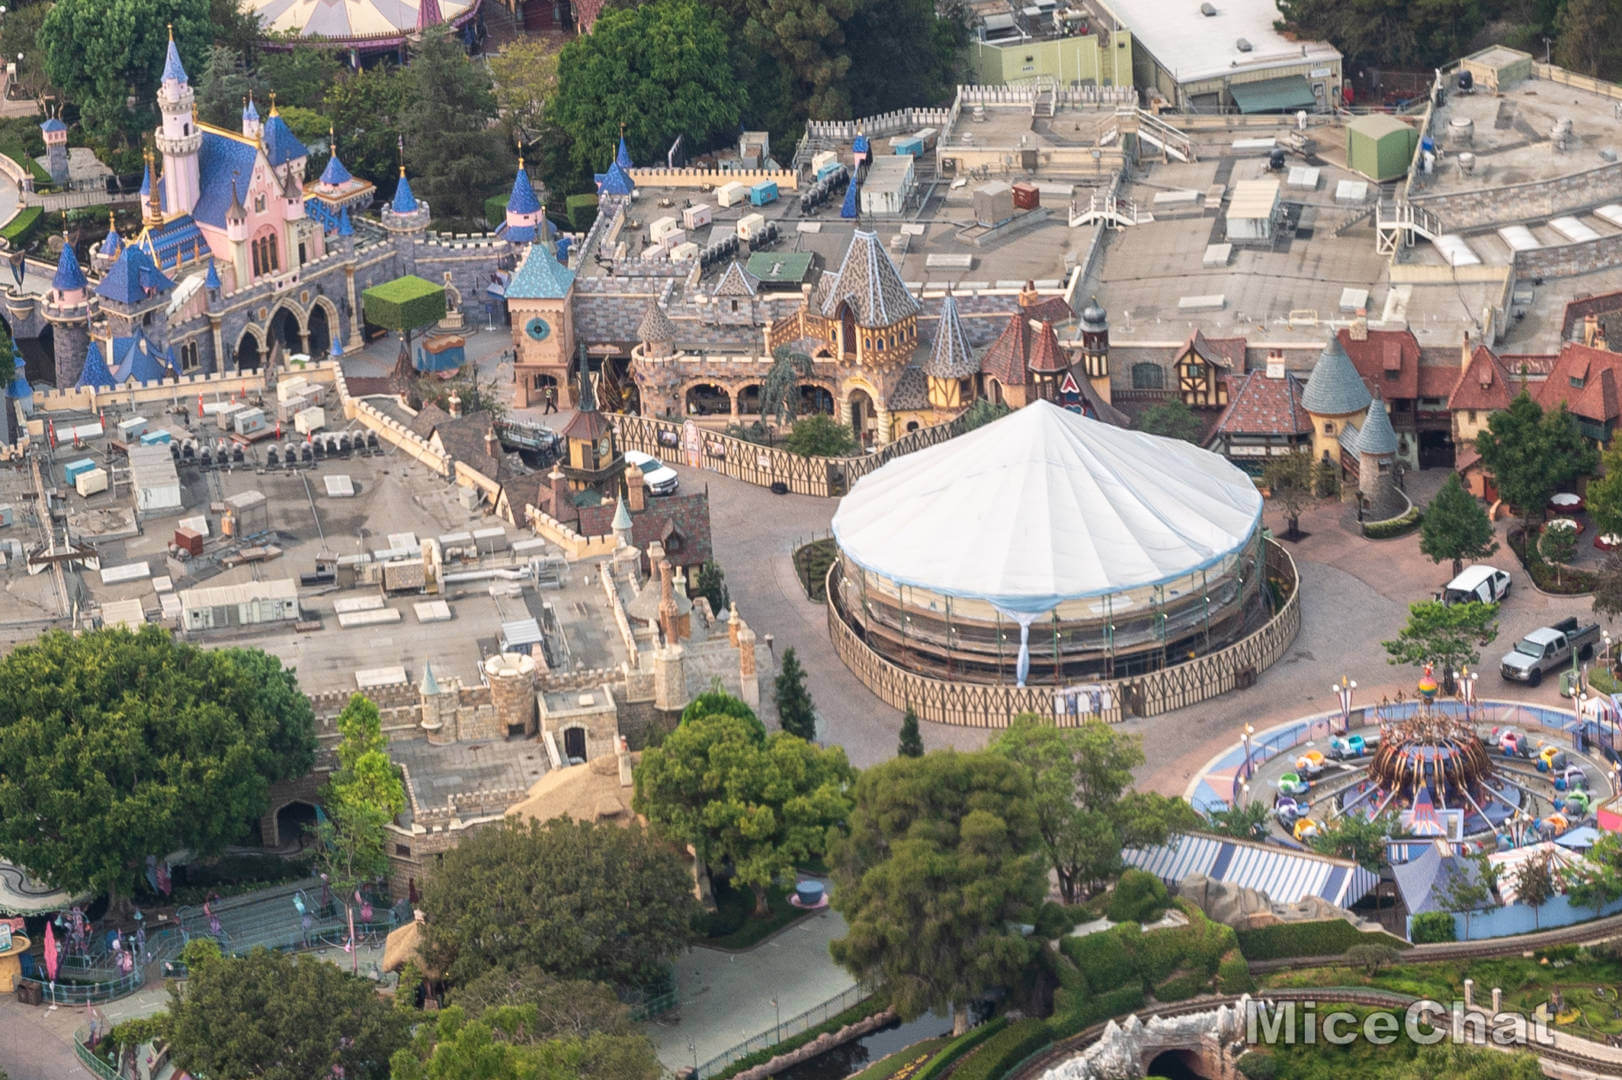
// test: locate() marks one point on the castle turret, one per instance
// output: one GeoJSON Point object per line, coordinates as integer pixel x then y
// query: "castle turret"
{"type": "Point", "coordinates": [55, 133]}
{"type": "Point", "coordinates": [178, 138]}
{"type": "Point", "coordinates": [151, 194]}
{"type": "Point", "coordinates": [406, 219]}
{"type": "Point", "coordinates": [951, 365]}
{"type": "Point", "coordinates": [251, 125]}
{"type": "Point", "coordinates": [1095, 347]}
{"type": "Point", "coordinates": [1377, 465]}
{"type": "Point", "coordinates": [526, 222]}
{"type": "Point", "coordinates": [655, 334]}
{"type": "Point", "coordinates": [1334, 397]}
{"type": "Point", "coordinates": [66, 308]}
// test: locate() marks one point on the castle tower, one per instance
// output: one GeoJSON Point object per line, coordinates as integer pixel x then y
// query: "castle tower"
{"type": "Point", "coordinates": [540, 299]}
{"type": "Point", "coordinates": [512, 692]}
{"type": "Point", "coordinates": [526, 223]}
{"type": "Point", "coordinates": [1334, 397]}
{"type": "Point", "coordinates": [951, 365]}
{"type": "Point", "coordinates": [178, 137]}
{"type": "Point", "coordinates": [438, 703]}
{"type": "Point", "coordinates": [66, 308]}
{"type": "Point", "coordinates": [151, 194]}
{"type": "Point", "coordinates": [1377, 464]}
{"type": "Point", "coordinates": [1095, 347]}
{"type": "Point", "coordinates": [1048, 362]}
{"type": "Point", "coordinates": [56, 149]}
{"type": "Point", "coordinates": [656, 334]}
{"type": "Point", "coordinates": [406, 219]}
{"type": "Point", "coordinates": [872, 316]}
{"type": "Point", "coordinates": [251, 125]}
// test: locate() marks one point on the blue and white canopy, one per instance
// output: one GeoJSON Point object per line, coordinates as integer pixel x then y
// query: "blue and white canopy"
{"type": "Point", "coordinates": [1286, 876]}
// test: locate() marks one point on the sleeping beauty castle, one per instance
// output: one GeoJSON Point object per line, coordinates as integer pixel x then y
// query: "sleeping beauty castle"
{"type": "Point", "coordinates": [241, 258]}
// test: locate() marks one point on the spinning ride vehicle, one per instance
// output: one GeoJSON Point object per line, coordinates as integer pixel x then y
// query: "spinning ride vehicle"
{"type": "Point", "coordinates": [1291, 784]}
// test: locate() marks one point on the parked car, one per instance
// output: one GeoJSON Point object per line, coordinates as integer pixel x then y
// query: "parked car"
{"type": "Point", "coordinates": [1547, 649]}
{"type": "Point", "coordinates": [660, 478]}
{"type": "Point", "coordinates": [1486, 584]}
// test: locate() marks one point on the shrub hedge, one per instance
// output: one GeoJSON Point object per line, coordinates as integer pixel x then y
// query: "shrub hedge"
{"type": "Point", "coordinates": [1430, 927]}
{"type": "Point", "coordinates": [1233, 974]}
{"type": "Point", "coordinates": [1138, 896]}
{"type": "Point", "coordinates": [1389, 530]}
{"type": "Point", "coordinates": [959, 1046]}
{"type": "Point", "coordinates": [1331, 937]}
{"type": "Point", "coordinates": [581, 211]}
{"type": "Point", "coordinates": [1007, 1048]}
{"type": "Point", "coordinates": [20, 230]}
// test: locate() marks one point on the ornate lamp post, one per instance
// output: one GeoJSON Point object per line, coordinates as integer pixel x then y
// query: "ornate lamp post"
{"type": "Point", "coordinates": [1466, 680]}
{"type": "Point", "coordinates": [1246, 734]}
{"type": "Point", "coordinates": [1343, 693]}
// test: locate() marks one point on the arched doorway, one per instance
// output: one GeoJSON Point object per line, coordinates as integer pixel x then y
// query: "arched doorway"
{"type": "Point", "coordinates": [574, 744]}
{"type": "Point", "coordinates": [994, 391]}
{"type": "Point", "coordinates": [246, 357]}
{"type": "Point", "coordinates": [293, 824]}
{"type": "Point", "coordinates": [1178, 1065]}
{"type": "Point", "coordinates": [816, 399]}
{"type": "Point", "coordinates": [320, 332]}
{"type": "Point", "coordinates": [749, 400]}
{"type": "Point", "coordinates": [284, 331]}
{"type": "Point", "coordinates": [39, 357]}
{"type": "Point", "coordinates": [862, 417]}
{"type": "Point", "coordinates": [847, 328]}
{"type": "Point", "coordinates": [707, 399]}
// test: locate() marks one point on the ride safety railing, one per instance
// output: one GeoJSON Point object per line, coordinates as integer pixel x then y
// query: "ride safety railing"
{"type": "Point", "coordinates": [787, 1029]}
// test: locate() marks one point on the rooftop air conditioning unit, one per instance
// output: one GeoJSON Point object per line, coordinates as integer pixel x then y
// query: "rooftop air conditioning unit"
{"type": "Point", "coordinates": [1242, 45]}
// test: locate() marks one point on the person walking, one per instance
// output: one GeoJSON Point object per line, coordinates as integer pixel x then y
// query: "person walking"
{"type": "Point", "coordinates": [551, 400]}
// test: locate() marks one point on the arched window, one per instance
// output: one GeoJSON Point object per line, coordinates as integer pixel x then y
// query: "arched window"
{"type": "Point", "coordinates": [1148, 376]}
{"type": "Point", "coordinates": [265, 254]}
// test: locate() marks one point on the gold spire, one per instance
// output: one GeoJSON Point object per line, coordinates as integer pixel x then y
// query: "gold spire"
{"type": "Point", "coordinates": [171, 31]}
{"type": "Point", "coordinates": [273, 103]}
{"type": "Point", "coordinates": [520, 155]}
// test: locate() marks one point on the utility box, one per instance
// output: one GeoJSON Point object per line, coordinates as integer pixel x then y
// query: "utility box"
{"type": "Point", "coordinates": [75, 469]}
{"type": "Point", "coordinates": [822, 159]}
{"type": "Point", "coordinates": [731, 194]}
{"type": "Point", "coordinates": [226, 415]}
{"type": "Point", "coordinates": [662, 228]}
{"type": "Point", "coordinates": [90, 483]}
{"type": "Point", "coordinates": [289, 388]}
{"type": "Point", "coordinates": [911, 146]}
{"type": "Point", "coordinates": [993, 204]}
{"type": "Point", "coordinates": [1026, 197]}
{"type": "Point", "coordinates": [190, 541]}
{"type": "Point", "coordinates": [696, 217]}
{"type": "Point", "coordinates": [750, 226]}
{"type": "Point", "coordinates": [311, 419]}
{"type": "Point", "coordinates": [1380, 146]}
{"type": "Point", "coordinates": [131, 429]}
{"type": "Point", "coordinates": [684, 251]}
{"type": "Point", "coordinates": [763, 193]}
{"type": "Point", "coordinates": [250, 423]}
{"type": "Point", "coordinates": [155, 438]}
{"type": "Point", "coordinates": [833, 168]}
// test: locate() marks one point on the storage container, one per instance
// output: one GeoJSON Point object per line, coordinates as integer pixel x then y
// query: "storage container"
{"type": "Point", "coordinates": [763, 193]}
{"type": "Point", "coordinates": [311, 419]}
{"type": "Point", "coordinates": [732, 193]}
{"type": "Point", "coordinates": [74, 469]}
{"type": "Point", "coordinates": [696, 217]}
{"type": "Point", "coordinates": [750, 226]}
{"type": "Point", "coordinates": [91, 483]}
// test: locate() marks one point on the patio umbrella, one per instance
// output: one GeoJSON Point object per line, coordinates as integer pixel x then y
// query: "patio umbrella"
{"type": "Point", "coordinates": [50, 951]}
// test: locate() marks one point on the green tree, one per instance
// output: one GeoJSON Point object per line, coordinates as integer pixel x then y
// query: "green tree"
{"type": "Point", "coordinates": [563, 1006]}
{"type": "Point", "coordinates": [526, 77]}
{"type": "Point", "coordinates": [1456, 527]}
{"type": "Point", "coordinates": [795, 712]}
{"type": "Point", "coordinates": [1596, 882]}
{"type": "Point", "coordinates": [940, 860]}
{"type": "Point", "coordinates": [762, 804]}
{"type": "Point", "coordinates": [982, 412]}
{"type": "Point", "coordinates": [20, 33]}
{"type": "Point", "coordinates": [717, 702]}
{"type": "Point", "coordinates": [1532, 454]}
{"type": "Point", "coordinates": [662, 69]}
{"type": "Point", "coordinates": [1608, 587]}
{"type": "Point", "coordinates": [1085, 812]}
{"type": "Point", "coordinates": [1327, 479]}
{"type": "Point", "coordinates": [121, 745]}
{"type": "Point", "coordinates": [579, 900]}
{"type": "Point", "coordinates": [1605, 491]}
{"type": "Point", "coordinates": [275, 1016]}
{"type": "Point", "coordinates": [711, 583]}
{"type": "Point", "coordinates": [1588, 37]}
{"type": "Point", "coordinates": [780, 389]}
{"type": "Point", "coordinates": [236, 27]}
{"type": "Point", "coordinates": [1371, 958]}
{"type": "Point", "coordinates": [100, 53]}
{"type": "Point", "coordinates": [507, 1042]}
{"type": "Point", "coordinates": [1535, 884]}
{"type": "Point", "coordinates": [911, 743]}
{"type": "Point", "coordinates": [1558, 546]}
{"type": "Point", "coordinates": [1247, 821]}
{"type": "Point", "coordinates": [1355, 837]}
{"type": "Point", "coordinates": [1446, 635]}
{"type": "Point", "coordinates": [820, 436]}
{"type": "Point", "coordinates": [445, 118]}
{"type": "Point", "coordinates": [1289, 478]}
{"type": "Point", "coordinates": [1466, 892]}
{"type": "Point", "coordinates": [366, 107]}
{"type": "Point", "coordinates": [222, 86]}
{"type": "Point", "coordinates": [1391, 33]}
{"type": "Point", "coordinates": [362, 796]}
{"type": "Point", "coordinates": [299, 76]}
{"type": "Point", "coordinates": [1173, 419]}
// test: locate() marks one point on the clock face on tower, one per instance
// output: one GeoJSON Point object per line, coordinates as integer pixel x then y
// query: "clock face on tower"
{"type": "Point", "coordinates": [537, 328]}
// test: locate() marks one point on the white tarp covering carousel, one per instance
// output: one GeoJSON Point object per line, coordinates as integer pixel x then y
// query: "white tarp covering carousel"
{"type": "Point", "coordinates": [346, 20]}
{"type": "Point", "coordinates": [1108, 541]}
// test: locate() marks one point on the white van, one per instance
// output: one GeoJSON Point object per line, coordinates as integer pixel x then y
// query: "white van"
{"type": "Point", "coordinates": [1485, 584]}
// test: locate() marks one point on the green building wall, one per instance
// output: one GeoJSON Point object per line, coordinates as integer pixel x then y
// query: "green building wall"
{"type": "Point", "coordinates": [1070, 60]}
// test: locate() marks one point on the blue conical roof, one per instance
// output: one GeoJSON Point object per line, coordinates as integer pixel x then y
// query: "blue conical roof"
{"type": "Point", "coordinates": [1377, 436]}
{"type": "Point", "coordinates": [404, 201]}
{"type": "Point", "coordinates": [616, 181]}
{"type": "Point", "coordinates": [522, 200]}
{"type": "Point", "coordinates": [112, 244]}
{"type": "Point", "coordinates": [851, 207]}
{"type": "Point", "coordinates": [335, 175]}
{"type": "Point", "coordinates": [94, 373]}
{"type": "Point", "coordinates": [249, 112]}
{"type": "Point", "coordinates": [69, 275]}
{"type": "Point", "coordinates": [1335, 388]}
{"type": "Point", "coordinates": [172, 68]}
{"type": "Point", "coordinates": [345, 226]}
{"type": "Point", "coordinates": [622, 156]}
{"type": "Point", "coordinates": [212, 279]}
{"type": "Point", "coordinates": [146, 182]}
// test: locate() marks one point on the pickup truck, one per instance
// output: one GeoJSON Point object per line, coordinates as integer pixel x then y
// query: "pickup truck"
{"type": "Point", "coordinates": [1548, 649]}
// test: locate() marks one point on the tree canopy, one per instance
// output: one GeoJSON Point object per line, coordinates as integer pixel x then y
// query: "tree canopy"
{"type": "Point", "coordinates": [761, 804]}
{"type": "Point", "coordinates": [1605, 491]}
{"type": "Point", "coordinates": [445, 112]}
{"type": "Point", "coordinates": [1290, 481]}
{"type": "Point", "coordinates": [820, 436]}
{"type": "Point", "coordinates": [1085, 812]}
{"type": "Point", "coordinates": [1532, 454]}
{"type": "Point", "coordinates": [911, 741]}
{"type": "Point", "coordinates": [795, 711]}
{"type": "Point", "coordinates": [100, 53]}
{"type": "Point", "coordinates": [1456, 527]}
{"type": "Point", "coordinates": [1446, 635]}
{"type": "Point", "coordinates": [563, 1006]}
{"type": "Point", "coordinates": [1588, 37]}
{"type": "Point", "coordinates": [1404, 34]}
{"type": "Point", "coordinates": [276, 1016]}
{"type": "Point", "coordinates": [362, 796]}
{"type": "Point", "coordinates": [578, 900]}
{"type": "Point", "coordinates": [525, 72]}
{"type": "Point", "coordinates": [717, 702]}
{"type": "Point", "coordinates": [662, 70]}
{"type": "Point", "coordinates": [941, 855]}
{"type": "Point", "coordinates": [1355, 837]}
{"type": "Point", "coordinates": [511, 1042]}
{"type": "Point", "coordinates": [1173, 419]}
{"type": "Point", "coordinates": [121, 745]}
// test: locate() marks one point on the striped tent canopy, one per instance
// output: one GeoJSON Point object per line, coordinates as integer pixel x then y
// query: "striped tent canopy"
{"type": "Point", "coordinates": [357, 20]}
{"type": "Point", "coordinates": [1285, 875]}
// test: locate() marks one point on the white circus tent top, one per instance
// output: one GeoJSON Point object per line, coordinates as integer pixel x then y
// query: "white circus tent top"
{"type": "Point", "coordinates": [380, 21]}
{"type": "Point", "coordinates": [1046, 505]}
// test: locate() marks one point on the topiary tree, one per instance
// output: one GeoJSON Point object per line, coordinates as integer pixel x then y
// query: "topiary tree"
{"type": "Point", "coordinates": [795, 712]}
{"type": "Point", "coordinates": [1139, 897]}
{"type": "Point", "coordinates": [911, 743]}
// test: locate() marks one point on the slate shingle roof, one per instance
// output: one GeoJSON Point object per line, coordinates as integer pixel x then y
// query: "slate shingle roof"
{"type": "Point", "coordinates": [951, 356]}
{"type": "Point", "coordinates": [1335, 388]}
{"type": "Point", "coordinates": [869, 282]}
{"type": "Point", "coordinates": [1258, 405]}
{"type": "Point", "coordinates": [1377, 435]}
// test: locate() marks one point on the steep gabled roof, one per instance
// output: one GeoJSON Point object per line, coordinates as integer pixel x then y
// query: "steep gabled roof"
{"type": "Point", "coordinates": [869, 282]}
{"type": "Point", "coordinates": [1584, 380]}
{"type": "Point", "coordinates": [94, 374]}
{"type": "Point", "coordinates": [1004, 359]}
{"type": "Point", "coordinates": [951, 357]}
{"type": "Point", "coordinates": [1386, 359]}
{"type": "Point", "coordinates": [541, 277]}
{"type": "Point", "coordinates": [736, 282]}
{"type": "Point", "coordinates": [1258, 405]}
{"type": "Point", "coordinates": [1047, 358]}
{"type": "Point", "coordinates": [1483, 384]}
{"type": "Point", "coordinates": [281, 145]}
{"type": "Point", "coordinates": [224, 157]}
{"type": "Point", "coordinates": [1335, 388]}
{"type": "Point", "coordinates": [133, 278]}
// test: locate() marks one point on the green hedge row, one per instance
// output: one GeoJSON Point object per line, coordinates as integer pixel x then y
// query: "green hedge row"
{"type": "Point", "coordinates": [1126, 955]}
{"type": "Point", "coordinates": [1432, 927]}
{"type": "Point", "coordinates": [859, 1011]}
{"type": "Point", "coordinates": [1388, 530]}
{"type": "Point", "coordinates": [20, 229]}
{"type": "Point", "coordinates": [1012, 1044]}
{"type": "Point", "coordinates": [1233, 975]}
{"type": "Point", "coordinates": [1331, 937]}
{"type": "Point", "coordinates": [959, 1046]}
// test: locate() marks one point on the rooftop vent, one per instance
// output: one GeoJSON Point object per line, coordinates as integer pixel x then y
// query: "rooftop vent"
{"type": "Point", "coordinates": [1242, 45]}
{"type": "Point", "coordinates": [1207, 10]}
